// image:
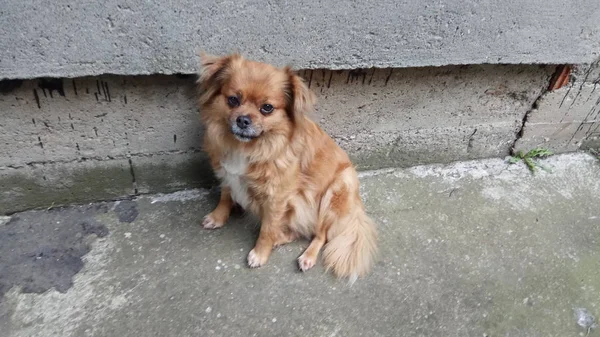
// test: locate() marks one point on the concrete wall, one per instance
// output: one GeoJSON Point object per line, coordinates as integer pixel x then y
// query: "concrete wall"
{"type": "Point", "coordinates": [568, 118]}
{"type": "Point", "coordinates": [83, 139]}
{"type": "Point", "coordinates": [82, 38]}
{"type": "Point", "coordinates": [71, 133]}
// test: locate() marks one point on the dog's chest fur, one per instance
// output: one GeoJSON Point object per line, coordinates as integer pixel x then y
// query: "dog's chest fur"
{"type": "Point", "coordinates": [232, 173]}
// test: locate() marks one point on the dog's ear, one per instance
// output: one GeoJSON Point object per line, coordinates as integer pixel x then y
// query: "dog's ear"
{"type": "Point", "coordinates": [212, 74]}
{"type": "Point", "coordinates": [301, 100]}
{"type": "Point", "coordinates": [210, 66]}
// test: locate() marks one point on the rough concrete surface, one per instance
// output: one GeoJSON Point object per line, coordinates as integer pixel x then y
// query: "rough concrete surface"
{"type": "Point", "coordinates": [131, 37]}
{"type": "Point", "coordinates": [567, 118]}
{"type": "Point", "coordinates": [469, 249]}
{"type": "Point", "coordinates": [382, 117]}
{"type": "Point", "coordinates": [54, 184]}
{"type": "Point", "coordinates": [106, 117]}
{"type": "Point", "coordinates": [403, 117]}
{"type": "Point", "coordinates": [39, 255]}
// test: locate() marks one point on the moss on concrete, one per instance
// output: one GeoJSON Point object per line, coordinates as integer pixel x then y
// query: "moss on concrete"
{"type": "Point", "coordinates": [59, 184]}
{"type": "Point", "coordinates": [172, 172]}
{"type": "Point", "coordinates": [63, 183]}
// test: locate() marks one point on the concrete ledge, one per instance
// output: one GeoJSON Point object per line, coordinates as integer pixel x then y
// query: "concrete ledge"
{"type": "Point", "coordinates": [141, 134]}
{"type": "Point", "coordinates": [114, 117]}
{"type": "Point", "coordinates": [107, 117]}
{"type": "Point", "coordinates": [131, 37]}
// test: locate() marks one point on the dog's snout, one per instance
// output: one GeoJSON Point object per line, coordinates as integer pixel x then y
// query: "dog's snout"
{"type": "Point", "coordinates": [243, 122]}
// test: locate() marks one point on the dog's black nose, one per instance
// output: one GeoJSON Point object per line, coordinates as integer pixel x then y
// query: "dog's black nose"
{"type": "Point", "coordinates": [243, 122]}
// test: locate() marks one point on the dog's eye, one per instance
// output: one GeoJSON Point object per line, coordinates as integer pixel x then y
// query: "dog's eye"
{"type": "Point", "coordinates": [266, 108]}
{"type": "Point", "coordinates": [233, 101]}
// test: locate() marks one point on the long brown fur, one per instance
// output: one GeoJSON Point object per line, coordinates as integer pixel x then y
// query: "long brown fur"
{"type": "Point", "coordinates": [292, 175]}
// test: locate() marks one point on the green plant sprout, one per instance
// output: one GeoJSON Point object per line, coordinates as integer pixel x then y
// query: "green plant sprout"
{"type": "Point", "coordinates": [529, 158]}
{"type": "Point", "coordinates": [595, 153]}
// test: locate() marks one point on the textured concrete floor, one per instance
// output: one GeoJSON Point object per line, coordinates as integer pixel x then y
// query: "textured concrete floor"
{"type": "Point", "coordinates": [469, 249]}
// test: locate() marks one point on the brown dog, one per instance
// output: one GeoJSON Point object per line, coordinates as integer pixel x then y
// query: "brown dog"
{"type": "Point", "coordinates": [278, 164]}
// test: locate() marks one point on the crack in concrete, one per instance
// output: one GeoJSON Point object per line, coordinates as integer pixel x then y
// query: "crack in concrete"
{"type": "Point", "coordinates": [132, 171]}
{"type": "Point", "coordinates": [534, 106]}
{"type": "Point", "coordinates": [585, 79]}
{"type": "Point", "coordinates": [471, 139]}
{"type": "Point", "coordinates": [521, 131]}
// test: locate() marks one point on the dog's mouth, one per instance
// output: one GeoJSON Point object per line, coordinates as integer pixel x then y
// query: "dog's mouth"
{"type": "Point", "coordinates": [243, 138]}
{"type": "Point", "coordinates": [244, 135]}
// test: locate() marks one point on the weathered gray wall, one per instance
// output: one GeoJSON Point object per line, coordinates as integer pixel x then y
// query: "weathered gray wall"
{"type": "Point", "coordinates": [75, 140]}
{"type": "Point", "coordinates": [81, 38]}
{"type": "Point", "coordinates": [566, 119]}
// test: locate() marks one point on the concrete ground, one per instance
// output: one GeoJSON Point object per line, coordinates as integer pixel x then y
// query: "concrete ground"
{"type": "Point", "coordinates": [475, 248]}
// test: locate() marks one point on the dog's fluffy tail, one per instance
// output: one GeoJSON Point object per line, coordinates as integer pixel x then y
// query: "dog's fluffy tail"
{"type": "Point", "coordinates": [352, 237]}
{"type": "Point", "coordinates": [352, 246]}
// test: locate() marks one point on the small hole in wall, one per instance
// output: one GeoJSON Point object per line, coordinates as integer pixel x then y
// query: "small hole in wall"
{"type": "Point", "coordinates": [174, 139]}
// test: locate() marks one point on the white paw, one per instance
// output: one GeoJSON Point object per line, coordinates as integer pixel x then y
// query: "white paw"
{"type": "Point", "coordinates": [210, 223]}
{"type": "Point", "coordinates": [254, 260]}
{"type": "Point", "coordinates": [305, 263]}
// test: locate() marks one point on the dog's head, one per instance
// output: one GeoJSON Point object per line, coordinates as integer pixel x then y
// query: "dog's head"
{"type": "Point", "coordinates": [252, 99]}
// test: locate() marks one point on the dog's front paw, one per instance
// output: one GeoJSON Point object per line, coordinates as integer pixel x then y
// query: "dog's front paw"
{"type": "Point", "coordinates": [255, 260]}
{"type": "Point", "coordinates": [306, 262]}
{"type": "Point", "coordinates": [210, 222]}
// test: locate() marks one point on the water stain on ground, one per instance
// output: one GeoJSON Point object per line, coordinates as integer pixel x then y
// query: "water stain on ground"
{"type": "Point", "coordinates": [43, 251]}
{"type": "Point", "coordinates": [127, 211]}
